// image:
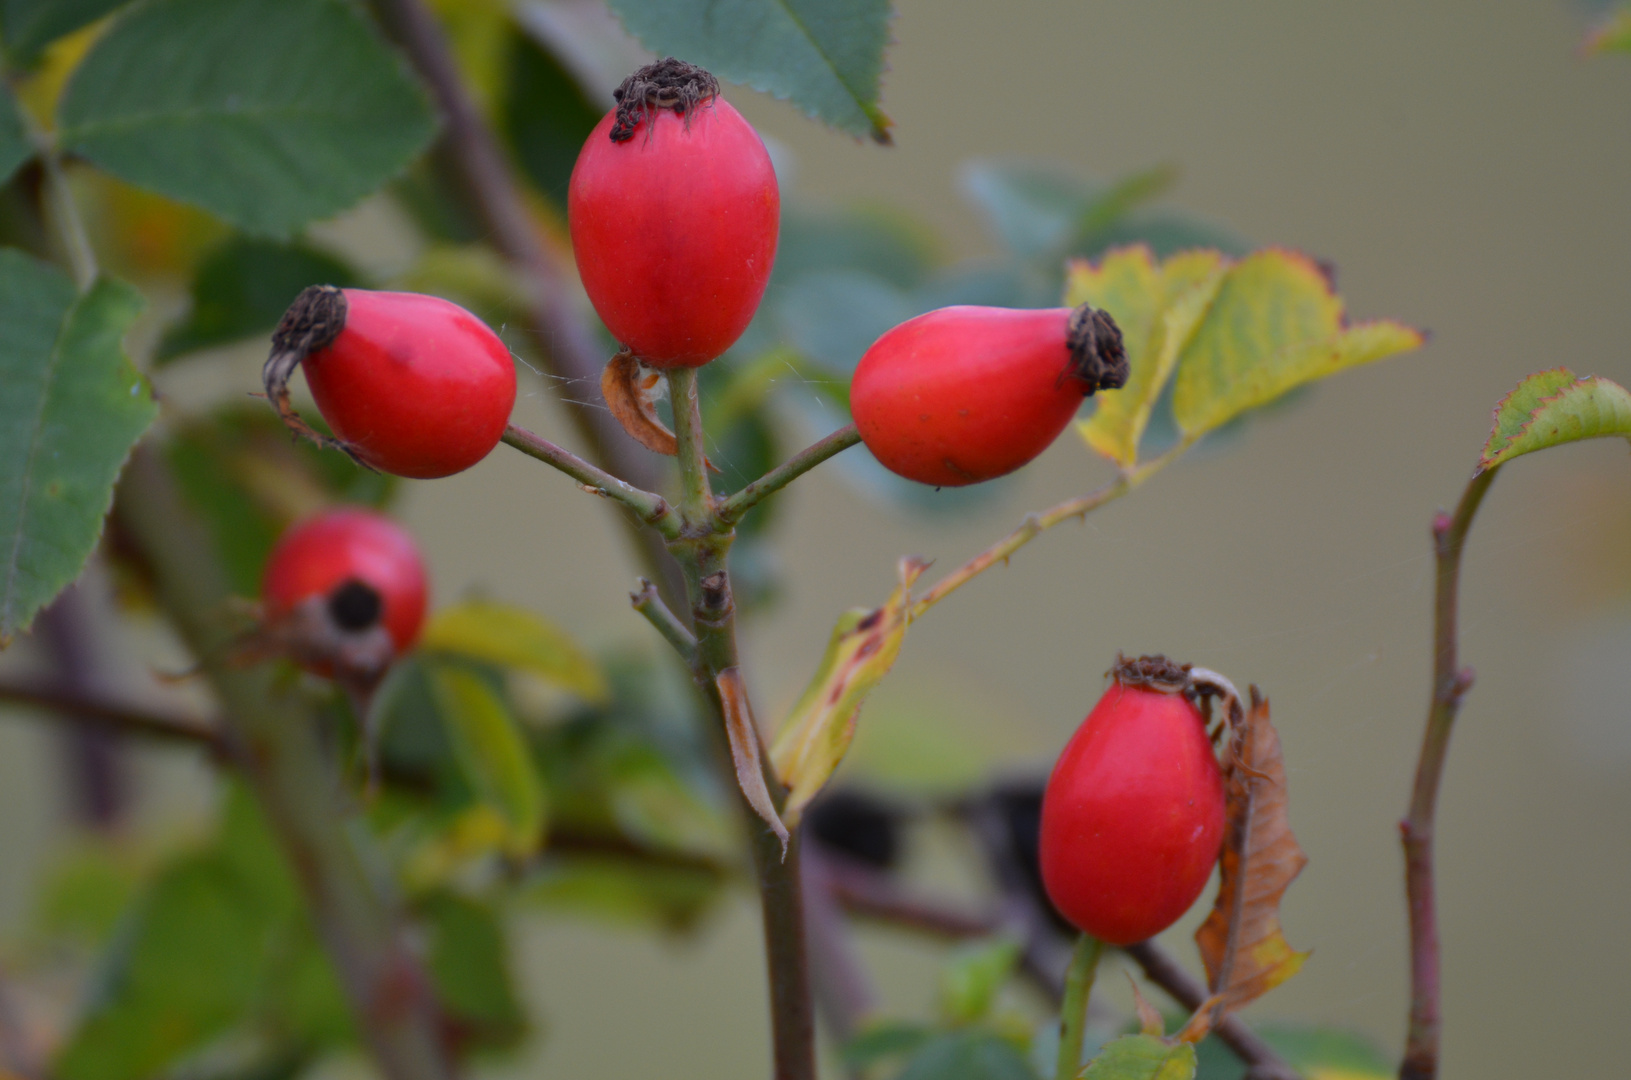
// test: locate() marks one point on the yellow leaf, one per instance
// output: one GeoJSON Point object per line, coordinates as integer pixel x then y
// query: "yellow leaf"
{"type": "Point", "coordinates": [1157, 308]}
{"type": "Point", "coordinates": [513, 637]}
{"type": "Point", "coordinates": [821, 725]}
{"type": "Point", "coordinates": [1273, 325]}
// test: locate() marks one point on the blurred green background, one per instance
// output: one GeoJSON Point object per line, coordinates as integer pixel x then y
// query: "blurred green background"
{"type": "Point", "coordinates": [1467, 172]}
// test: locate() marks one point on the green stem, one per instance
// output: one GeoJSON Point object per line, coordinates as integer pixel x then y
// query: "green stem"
{"type": "Point", "coordinates": [649, 507]}
{"type": "Point", "coordinates": [1450, 685]}
{"type": "Point", "coordinates": [650, 605]}
{"type": "Point", "coordinates": [696, 499]}
{"type": "Point", "coordinates": [732, 508]}
{"type": "Point", "coordinates": [702, 551]}
{"type": "Point", "coordinates": [359, 921]}
{"type": "Point", "coordinates": [1035, 525]}
{"type": "Point", "coordinates": [1084, 963]}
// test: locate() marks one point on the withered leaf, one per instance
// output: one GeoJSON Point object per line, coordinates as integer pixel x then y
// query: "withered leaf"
{"type": "Point", "coordinates": [1244, 949]}
{"type": "Point", "coordinates": [632, 391]}
{"type": "Point", "coordinates": [745, 755]}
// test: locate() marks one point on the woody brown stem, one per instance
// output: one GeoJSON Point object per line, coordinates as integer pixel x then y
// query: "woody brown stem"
{"type": "Point", "coordinates": [1450, 685]}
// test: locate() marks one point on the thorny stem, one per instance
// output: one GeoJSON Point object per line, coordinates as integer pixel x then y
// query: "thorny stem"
{"type": "Point", "coordinates": [129, 719]}
{"type": "Point", "coordinates": [1450, 685]}
{"type": "Point", "coordinates": [1035, 525]}
{"type": "Point", "coordinates": [1084, 962]}
{"type": "Point", "coordinates": [361, 925]}
{"type": "Point", "coordinates": [731, 509]}
{"type": "Point", "coordinates": [649, 507]}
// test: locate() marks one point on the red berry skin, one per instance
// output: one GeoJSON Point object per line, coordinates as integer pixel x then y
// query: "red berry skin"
{"type": "Point", "coordinates": [322, 553]}
{"type": "Point", "coordinates": [965, 394]}
{"type": "Point", "coordinates": [674, 231]}
{"type": "Point", "coordinates": [415, 385]}
{"type": "Point", "coordinates": [1133, 816]}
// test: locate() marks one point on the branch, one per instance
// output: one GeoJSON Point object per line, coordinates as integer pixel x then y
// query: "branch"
{"type": "Point", "coordinates": [650, 605]}
{"type": "Point", "coordinates": [650, 508]}
{"type": "Point", "coordinates": [733, 508]}
{"type": "Point", "coordinates": [1450, 685]}
{"type": "Point", "coordinates": [1035, 525]}
{"type": "Point", "coordinates": [360, 923]}
{"type": "Point", "coordinates": [561, 337]}
{"type": "Point", "coordinates": [130, 719]}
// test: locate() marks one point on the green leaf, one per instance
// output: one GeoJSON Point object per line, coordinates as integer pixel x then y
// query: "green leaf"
{"type": "Point", "coordinates": [15, 147]}
{"type": "Point", "coordinates": [71, 407]}
{"type": "Point", "coordinates": [469, 961]}
{"type": "Point", "coordinates": [1038, 212]}
{"type": "Point", "coordinates": [968, 1055]}
{"type": "Point", "coordinates": [825, 56]}
{"type": "Point", "coordinates": [546, 117]}
{"type": "Point", "coordinates": [672, 895]}
{"type": "Point", "coordinates": [491, 751]}
{"type": "Point", "coordinates": [1554, 407]}
{"type": "Point", "coordinates": [268, 113]}
{"type": "Point", "coordinates": [28, 26]}
{"type": "Point", "coordinates": [1157, 308]}
{"type": "Point", "coordinates": [971, 978]}
{"type": "Point", "coordinates": [242, 288]}
{"type": "Point", "coordinates": [1142, 1057]}
{"type": "Point", "coordinates": [507, 636]}
{"type": "Point", "coordinates": [1274, 325]}
{"type": "Point", "coordinates": [883, 1040]}
{"type": "Point", "coordinates": [819, 729]}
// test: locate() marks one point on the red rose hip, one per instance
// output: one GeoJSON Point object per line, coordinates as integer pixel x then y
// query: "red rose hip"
{"type": "Point", "coordinates": [1133, 816]}
{"type": "Point", "coordinates": [411, 384]}
{"type": "Point", "coordinates": [674, 211]}
{"type": "Point", "coordinates": [965, 394]}
{"type": "Point", "coordinates": [345, 591]}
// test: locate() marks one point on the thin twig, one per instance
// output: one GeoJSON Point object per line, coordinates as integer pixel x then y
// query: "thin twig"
{"type": "Point", "coordinates": [1035, 525]}
{"type": "Point", "coordinates": [1159, 966]}
{"type": "Point", "coordinates": [1450, 685]}
{"type": "Point", "coordinates": [649, 604]}
{"type": "Point", "coordinates": [560, 335]}
{"type": "Point", "coordinates": [733, 508]}
{"type": "Point", "coordinates": [649, 507]}
{"type": "Point", "coordinates": [131, 719]}
{"type": "Point", "coordinates": [696, 499]}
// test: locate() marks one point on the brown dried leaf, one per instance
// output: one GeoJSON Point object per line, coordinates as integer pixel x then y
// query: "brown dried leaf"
{"type": "Point", "coordinates": [1241, 942]}
{"type": "Point", "coordinates": [745, 755]}
{"type": "Point", "coordinates": [632, 390]}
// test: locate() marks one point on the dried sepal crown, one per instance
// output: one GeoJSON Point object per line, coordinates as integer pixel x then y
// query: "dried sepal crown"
{"type": "Point", "coordinates": [667, 84]}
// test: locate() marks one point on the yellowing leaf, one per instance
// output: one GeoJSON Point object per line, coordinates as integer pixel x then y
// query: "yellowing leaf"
{"type": "Point", "coordinates": [1157, 308]}
{"type": "Point", "coordinates": [1553, 407]}
{"type": "Point", "coordinates": [1273, 325]}
{"type": "Point", "coordinates": [492, 752]}
{"type": "Point", "coordinates": [821, 726]}
{"type": "Point", "coordinates": [513, 637]}
{"type": "Point", "coordinates": [1245, 952]}
{"type": "Point", "coordinates": [1141, 1057]}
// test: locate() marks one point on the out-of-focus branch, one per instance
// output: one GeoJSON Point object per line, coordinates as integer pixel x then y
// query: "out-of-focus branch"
{"type": "Point", "coordinates": [561, 336]}
{"type": "Point", "coordinates": [360, 924]}
{"type": "Point", "coordinates": [1159, 966]}
{"type": "Point", "coordinates": [147, 723]}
